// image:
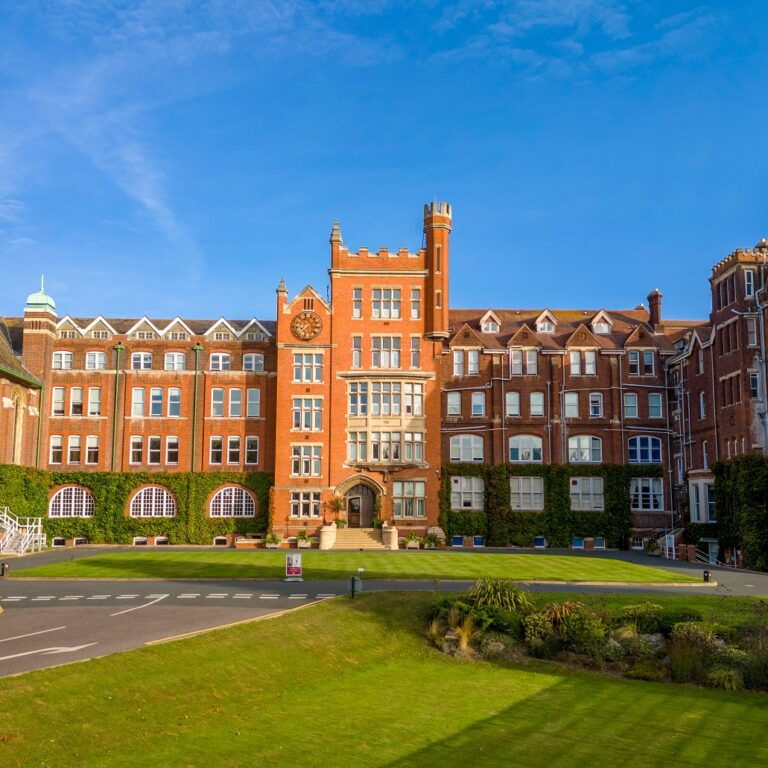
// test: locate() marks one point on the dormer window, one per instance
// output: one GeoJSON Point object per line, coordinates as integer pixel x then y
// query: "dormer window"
{"type": "Point", "coordinates": [145, 335]}
{"type": "Point", "coordinates": [545, 326]}
{"type": "Point", "coordinates": [490, 326]}
{"type": "Point", "coordinates": [601, 327]}
{"type": "Point", "coordinates": [222, 336]}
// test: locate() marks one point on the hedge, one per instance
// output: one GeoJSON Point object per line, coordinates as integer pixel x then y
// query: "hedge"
{"type": "Point", "coordinates": [557, 522]}
{"type": "Point", "coordinates": [26, 492]}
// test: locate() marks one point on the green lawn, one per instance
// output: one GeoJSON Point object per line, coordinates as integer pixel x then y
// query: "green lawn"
{"type": "Point", "coordinates": [166, 564]}
{"type": "Point", "coordinates": [348, 684]}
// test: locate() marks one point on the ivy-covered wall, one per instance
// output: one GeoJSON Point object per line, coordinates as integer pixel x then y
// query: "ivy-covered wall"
{"type": "Point", "coordinates": [26, 492]}
{"type": "Point", "coordinates": [741, 508]}
{"type": "Point", "coordinates": [557, 521]}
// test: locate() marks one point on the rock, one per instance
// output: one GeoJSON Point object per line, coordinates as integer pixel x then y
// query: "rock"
{"type": "Point", "coordinates": [655, 641]}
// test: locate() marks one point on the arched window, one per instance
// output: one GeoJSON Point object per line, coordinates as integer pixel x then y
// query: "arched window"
{"type": "Point", "coordinates": [525, 449]}
{"type": "Point", "coordinates": [644, 450]}
{"type": "Point", "coordinates": [153, 501]}
{"type": "Point", "coordinates": [232, 501]}
{"type": "Point", "coordinates": [71, 501]}
{"type": "Point", "coordinates": [466, 448]}
{"type": "Point", "coordinates": [583, 449]}
{"type": "Point", "coordinates": [253, 362]}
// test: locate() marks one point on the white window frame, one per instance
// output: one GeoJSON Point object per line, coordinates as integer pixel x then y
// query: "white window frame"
{"type": "Point", "coordinates": [141, 361]}
{"type": "Point", "coordinates": [528, 449]}
{"type": "Point", "coordinates": [467, 492]}
{"type": "Point", "coordinates": [94, 401]}
{"type": "Point", "coordinates": [59, 401]}
{"type": "Point", "coordinates": [232, 501]}
{"type": "Point", "coordinates": [251, 450]}
{"type": "Point", "coordinates": [466, 448]}
{"type": "Point", "coordinates": [458, 362]}
{"type": "Point", "coordinates": [56, 445]}
{"type": "Point", "coordinates": [234, 450]}
{"type": "Point", "coordinates": [453, 404]}
{"type": "Point", "coordinates": [630, 405]}
{"type": "Point", "coordinates": [62, 361]}
{"type": "Point", "coordinates": [655, 405]}
{"type": "Point", "coordinates": [71, 501]}
{"type": "Point", "coordinates": [409, 499]}
{"type": "Point", "coordinates": [174, 361]}
{"type": "Point", "coordinates": [171, 445]}
{"type": "Point", "coordinates": [138, 402]}
{"type": "Point", "coordinates": [526, 493]}
{"type": "Point", "coordinates": [646, 494]}
{"type": "Point", "coordinates": [253, 403]}
{"type": "Point", "coordinates": [580, 446]}
{"type": "Point", "coordinates": [536, 404]}
{"type": "Point", "coordinates": [512, 403]}
{"type": "Point", "coordinates": [587, 494]}
{"type": "Point", "coordinates": [306, 460]}
{"type": "Point", "coordinates": [154, 450]}
{"type": "Point", "coordinates": [478, 405]}
{"type": "Point", "coordinates": [153, 501]}
{"type": "Point", "coordinates": [571, 405]}
{"type": "Point", "coordinates": [648, 447]}
{"type": "Point", "coordinates": [305, 504]}
{"type": "Point", "coordinates": [596, 405]}
{"type": "Point", "coordinates": [253, 361]}
{"type": "Point", "coordinates": [91, 446]}
{"type": "Point", "coordinates": [220, 361]}
{"type": "Point", "coordinates": [235, 409]}
{"type": "Point", "coordinates": [217, 402]}
{"type": "Point", "coordinates": [136, 445]}
{"type": "Point", "coordinates": [95, 361]}
{"type": "Point", "coordinates": [216, 446]}
{"type": "Point", "coordinates": [74, 448]}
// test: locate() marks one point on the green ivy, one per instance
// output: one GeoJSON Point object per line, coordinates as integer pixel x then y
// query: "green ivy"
{"type": "Point", "coordinates": [557, 522]}
{"type": "Point", "coordinates": [26, 491]}
{"type": "Point", "coordinates": [741, 503]}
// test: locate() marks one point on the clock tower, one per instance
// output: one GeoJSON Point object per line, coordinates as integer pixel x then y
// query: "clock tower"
{"type": "Point", "coordinates": [357, 435]}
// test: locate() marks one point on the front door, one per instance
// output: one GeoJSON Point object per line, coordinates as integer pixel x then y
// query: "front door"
{"type": "Point", "coordinates": [354, 504]}
{"type": "Point", "coordinates": [360, 506]}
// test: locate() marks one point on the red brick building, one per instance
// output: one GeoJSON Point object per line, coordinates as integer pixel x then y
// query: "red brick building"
{"type": "Point", "coordinates": [372, 405]}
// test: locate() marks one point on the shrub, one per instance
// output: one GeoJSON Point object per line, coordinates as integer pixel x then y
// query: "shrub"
{"type": "Point", "coordinates": [545, 648]}
{"type": "Point", "coordinates": [441, 606]}
{"type": "Point", "coordinates": [537, 627]}
{"type": "Point", "coordinates": [434, 632]}
{"type": "Point", "coordinates": [466, 633]}
{"type": "Point", "coordinates": [613, 650]}
{"type": "Point", "coordinates": [558, 611]}
{"type": "Point", "coordinates": [649, 668]}
{"type": "Point", "coordinates": [755, 669]}
{"type": "Point", "coordinates": [727, 679]}
{"type": "Point", "coordinates": [494, 645]}
{"type": "Point", "coordinates": [731, 657]}
{"type": "Point", "coordinates": [631, 641]}
{"type": "Point", "coordinates": [584, 632]}
{"type": "Point", "coordinates": [652, 618]}
{"type": "Point", "coordinates": [508, 623]}
{"type": "Point", "coordinates": [500, 593]}
{"type": "Point", "coordinates": [694, 634]}
{"type": "Point", "coordinates": [687, 662]}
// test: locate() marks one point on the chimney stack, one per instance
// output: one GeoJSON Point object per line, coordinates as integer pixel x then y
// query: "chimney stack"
{"type": "Point", "coordinates": [654, 308]}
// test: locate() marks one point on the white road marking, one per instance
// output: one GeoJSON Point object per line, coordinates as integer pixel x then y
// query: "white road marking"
{"type": "Point", "coordinates": [152, 597]}
{"type": "Point", "coordinates": [12, 599]}
{"type": "Point", "coordinates": [217, 595]}
{"type": "Point", "coordinates": [31, 634]}
{"type": "Point", "coordinates": [269, 597]}
{"type": "Point", "coordinates": [44, 598]}
{"type": "Point", "coordinates": [48, 651]}
{"type": "Point", "coordinates": [298, 597]}
{"type": "Point", "coordinates": [243, 596]}
{"type": "Point", "coordinates": [16, 597]}
{"type": "Point", "coordinates": [326, 594]}
{"type": "Point", "coordinates": [98, 597]}
{"type": "Point", "coordinates": [71, 597]}
{"type": "Point", "coordinates": [157, 599]}
{"type": "Point", "coordinates": [750, 585]}
{"type": "Point", "coordinates": [187, 597]}
{"type": "Point", "coordinates": [126, 597]}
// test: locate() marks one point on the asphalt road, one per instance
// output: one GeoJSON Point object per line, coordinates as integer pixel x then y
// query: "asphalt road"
{"type": "Point", "coordinates": [47, 622]}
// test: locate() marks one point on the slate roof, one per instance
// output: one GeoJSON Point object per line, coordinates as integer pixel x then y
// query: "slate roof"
{"type": "Point", "coordinates": [10, 365]}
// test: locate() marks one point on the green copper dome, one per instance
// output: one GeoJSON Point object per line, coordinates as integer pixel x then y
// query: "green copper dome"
{"type": "Point", "coordinates": [40, 300]}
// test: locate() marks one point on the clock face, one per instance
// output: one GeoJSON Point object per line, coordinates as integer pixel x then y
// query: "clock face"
{"type": "Point", "coordinates": [306, 325]}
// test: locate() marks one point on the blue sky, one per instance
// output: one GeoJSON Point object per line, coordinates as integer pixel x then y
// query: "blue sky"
{"type": "Point", "coordinates": [177, 157]}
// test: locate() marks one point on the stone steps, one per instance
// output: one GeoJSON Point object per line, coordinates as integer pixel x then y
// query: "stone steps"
{"type": "Point", "coordinates": [358, 538]}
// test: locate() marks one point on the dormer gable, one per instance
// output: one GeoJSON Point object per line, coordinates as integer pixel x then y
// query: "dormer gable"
{"type": "Point", "coordinates": [177, 330]}
{"type": "Point", "coordinates": [466, 336]}
{"type": "Point", "coordinates": [254, 331]}
{"type": "Point", "coordinates": [546, 322]}
{"type": "Point", "coordinates": [582, 337]}
{"type": "Point", "coordinates": [143, 329]}
{"type": "Point", "coordinates": [490, 323]}
{"type": "Point", "coordinates": [67, 328]}
{"type": "Point", "coordinates": [601, 323]}
{"type": "Point", "coordinates": [640, 337]}
{"type": "Point", "coordinates": [221, 330]}
{"type": "Point", "coordinates": [99, 328]}
{"type": "Point", "coordinates": [523, 337]}
{"type": "Point", "coordinates": [307, 300]}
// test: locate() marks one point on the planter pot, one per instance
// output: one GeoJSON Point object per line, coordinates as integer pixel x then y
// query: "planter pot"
{"type": "Point", "coordinates": [272, 546]}
{"type": "Point", "coordinates": [412, 544]}
{"type": "Point", "coordinates": [303, 544]}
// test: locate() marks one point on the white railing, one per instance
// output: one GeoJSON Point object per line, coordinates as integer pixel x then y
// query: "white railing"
{"type": "Point", "coordinates": [20, 534]}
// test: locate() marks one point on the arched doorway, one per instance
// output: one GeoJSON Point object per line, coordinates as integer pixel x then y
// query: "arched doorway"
{"type": "Point", "coordinates": [360, 506]}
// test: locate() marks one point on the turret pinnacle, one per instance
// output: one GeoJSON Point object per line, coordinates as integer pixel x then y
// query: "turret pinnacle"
{"type": "Point", "coordinates": [336, 233]}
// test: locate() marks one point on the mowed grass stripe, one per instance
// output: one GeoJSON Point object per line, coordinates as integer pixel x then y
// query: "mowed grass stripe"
{"type": "Point", "coordinates": [340, 565]}
{"type": "Point", "coordinates": [354, 683]}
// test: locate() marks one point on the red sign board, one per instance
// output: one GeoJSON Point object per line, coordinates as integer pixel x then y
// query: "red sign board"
{"type": "Point", "coordinates": [293, 564]}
